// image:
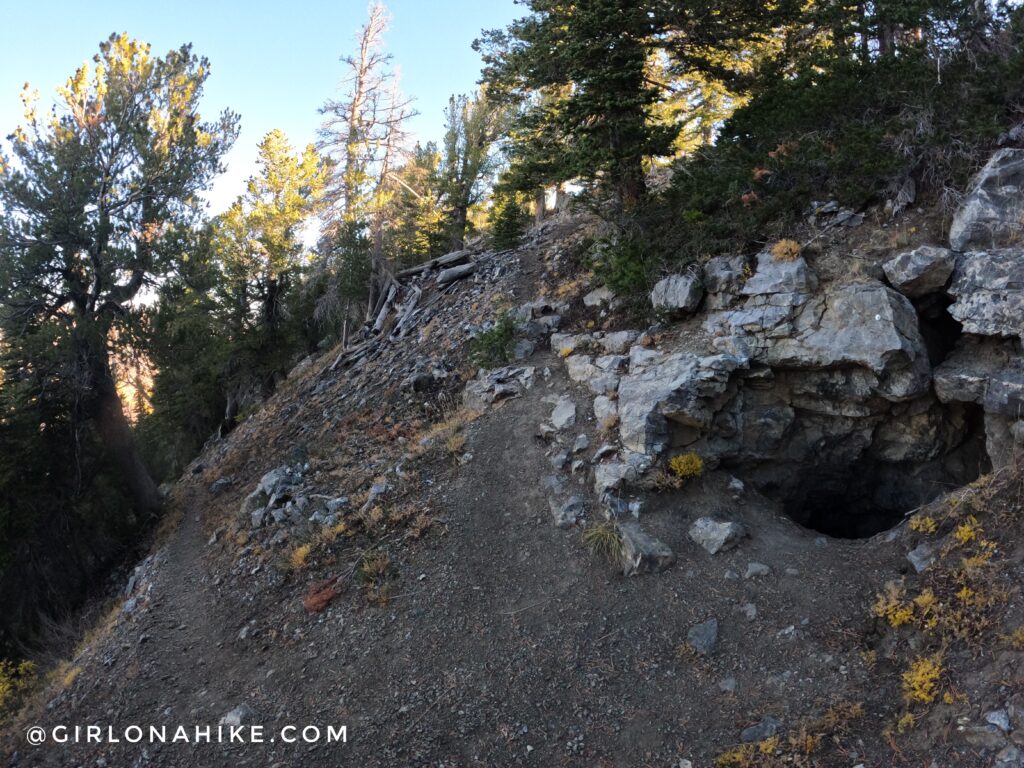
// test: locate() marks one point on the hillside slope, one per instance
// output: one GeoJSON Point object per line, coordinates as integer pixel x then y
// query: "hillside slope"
{"type": "Point", "coordinates": [366, 552]}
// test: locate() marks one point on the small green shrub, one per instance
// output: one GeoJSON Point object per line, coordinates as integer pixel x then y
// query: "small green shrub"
{"type": "Point", "coordinates": [493, 347]}
{"type": "Point", "coordinates": [623, 264]}
{"type": "Point", "coordinates": [508, 219]}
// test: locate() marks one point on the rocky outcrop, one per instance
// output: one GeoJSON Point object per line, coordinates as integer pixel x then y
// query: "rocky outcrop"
{"type": "Point", "coordinates": [775, 276]}
{"type": "Point", "coordinates": [992, 214]}
{"type": "Point", "coordinates": [491, 386]}
{"type": "Point", "coordinates": [989, 373]}
{"type": "Point", "coordinates": [677, 294]}
{"type": "Point", "coordinates": [866, 326]}
{"type": "Point", "coordinates": [921, 271]}
{"type": "Point", "coordinates": [823, 393]}
{"type": "Point", "coordinates": [989, 290]}
{"type": "Point", "coordinates": [682, 388]}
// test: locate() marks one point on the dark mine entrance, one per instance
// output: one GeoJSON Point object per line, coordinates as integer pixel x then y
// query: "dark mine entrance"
{"type": "Point", "coordinates": [854, 502]}
{"type": "Point", "coordinates": [867, 497]}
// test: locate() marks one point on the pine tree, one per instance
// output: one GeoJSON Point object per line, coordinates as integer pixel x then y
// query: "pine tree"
{"type": "Point", "coordinates": [415, 230]}
{"type": "Point", "coordinates": [472, 126]}
{"type": "Point", "coordinates": [92, 212]}
{"type": "Point", "coordinates": [587, 60]}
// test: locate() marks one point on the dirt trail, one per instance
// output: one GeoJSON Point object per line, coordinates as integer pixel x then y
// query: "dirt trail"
{"type": "Point", "coordinates": [505, 644]}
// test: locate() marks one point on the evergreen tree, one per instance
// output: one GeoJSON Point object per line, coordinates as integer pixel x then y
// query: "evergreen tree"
{"type": "Point", "coordinates": [97, 207]}
{"type": "Point", "coordinates": [472, 126]}
{"type": "Point", "coordinates": [415, 230]}
{"type": "Point", "coordinates": [588, 59]}
{"type": "Point", "coordinates": [92, 211]}
{"type": "Point", "coordinates": [362, 133]}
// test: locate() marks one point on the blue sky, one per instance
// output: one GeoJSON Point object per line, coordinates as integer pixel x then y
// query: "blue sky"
{"type": "Point", "coordinates": [274, 63]}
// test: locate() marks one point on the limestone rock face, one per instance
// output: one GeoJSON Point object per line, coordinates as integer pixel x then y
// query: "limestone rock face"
{"type": "Point", "coordinates": [683, 388]}
{"type": "Point", "coordinates": [723, 279]}
{"type": "Point", "coordinates": [678, 294]}
{"type": "Point", "coordinates": [777, 276]}
{"type": "Point", "coordinates": [989, 372]}
{"type": "Point", "coordinates": [989, 290]}
{"type": "Point", "coordinates": [823, 393]}
{"type": "Point", "coordinates": [723, 274]}
{"type": "Point", "coordinates": [863, 325]}
{"type": "Point", "coordinates": [993, 212]}
{"type": "Point", "coordinates": [921, 271]}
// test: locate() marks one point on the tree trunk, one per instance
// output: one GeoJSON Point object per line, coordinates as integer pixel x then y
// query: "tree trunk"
{"type": "Point", "coordinates": [632, 186]}
{"type": "Point", "coordinates": [865, 38]}
{"type": "Point", "coordinates": [103, 405]}
{"type": "Point", "coordinates": [459, 218]}
{"type": "Point", "coordinates": [886, 39]}
{"type": "Point", "coordinates": [540, 201]}
{"type": "Point", "coordinates": [119, 442]}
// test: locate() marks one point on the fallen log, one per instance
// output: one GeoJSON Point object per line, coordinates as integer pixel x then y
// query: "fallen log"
{"type": "Point", "coordinates": [452, 274]}
{"type": "Point", "coordinates": [448, 260]}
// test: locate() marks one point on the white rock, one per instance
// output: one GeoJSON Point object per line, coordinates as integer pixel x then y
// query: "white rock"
{"type": "Point", "coordinates": [564, 414]}
{"type": "Point", "coordinates": [715, 535]}
{"type": "Point", "coordinates": [677, 294]}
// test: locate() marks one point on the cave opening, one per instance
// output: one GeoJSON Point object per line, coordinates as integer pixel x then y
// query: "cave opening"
{"type": "Point", "coordinates": [862, 498]}
{"type": "Point", "coordinates": [840, 505]}
{"type": "Point", "coordinates": [939, 329]}
{"type": "Point", "coordinates": [868, 497]}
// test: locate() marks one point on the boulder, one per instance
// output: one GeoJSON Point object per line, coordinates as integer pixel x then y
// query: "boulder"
{"type": "Point", "coordinates": [538, 310]}
{"type": "Point", "coordinates": [715, 535]}
{"type": "Point", "coordinates": [992, 213]}
{"type": "Point", "coordinates": [491, 386]}
{"type": "Point", "coordinates": [565, 344]}
{"type": "Point", "coordinates": [921, 271]}
{"type": "Point", "coordinates": [613, 363]}
{"type": "Point", "coordinates": [603, 384]}
{"type": "Point", "coordinates": [523, 349]}
{"type": "Point", "coordinates": [866, 325]}
{"type": "Point", "coordinates": [641, 552]}
{"type": "Point", "coordinates": [677, 294]}
{"type": "Point", "coordinates": [275, 486]}
{"type": "Point", "coordinates": [610, 475]}
{"type": "Point", "coordinates": [618, 342]}
{"type": "Point", "coordinates": [724, 274]}
{"type": "Point", "coordinates": [605, 409]}
{"type": "Point", "coordinates": [682, 388]}
{"type": "Point", "coordinates": [598, 297]}
{"type": "Point", "coordinates": [617, 508]}
{"type": "Point", "coordinates": [564, 414]}
{"type": "Point", "coordinates": [566, 513]}
{"type": "Point", "coordinates": [773, 275]}
{"type": "Point", "coordinates": [580, 368]}
{"type": "Point", "coordinates": [989, 290]}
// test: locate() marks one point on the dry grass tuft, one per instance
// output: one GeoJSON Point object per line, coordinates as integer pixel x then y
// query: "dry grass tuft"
{"type": "Point", "coordinates": [298, 557]}
{"type": "Point", "coordinates": [604, 540]}
{"type": "Point", "coordinates": [786, 250]}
